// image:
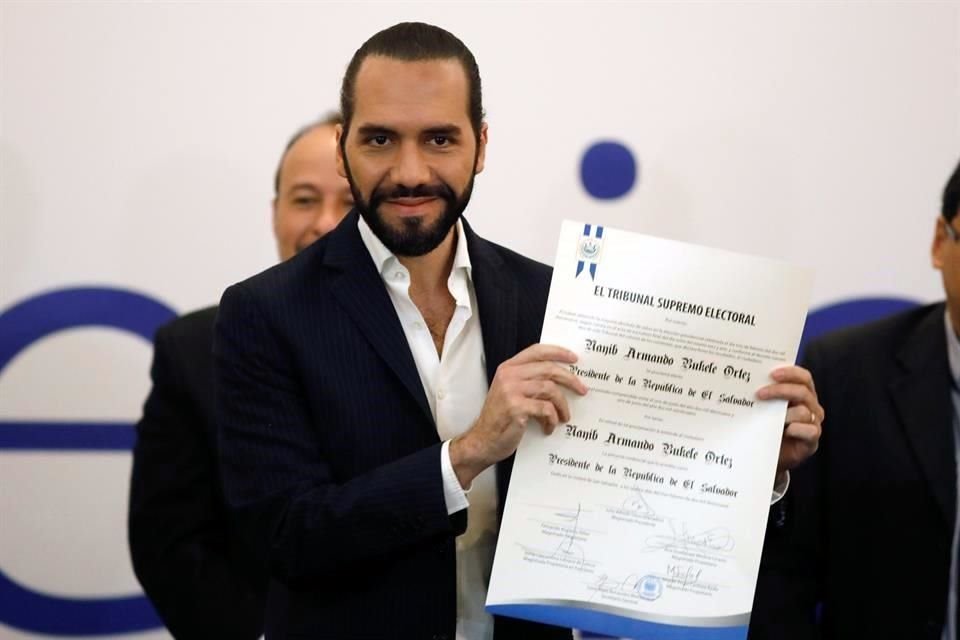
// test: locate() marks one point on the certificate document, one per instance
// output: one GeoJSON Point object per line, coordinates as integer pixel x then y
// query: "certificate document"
{"type": "Point", "coordinates": [644, 516]}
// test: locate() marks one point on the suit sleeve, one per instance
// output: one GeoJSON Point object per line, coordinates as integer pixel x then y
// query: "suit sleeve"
{"type": "Point", "coordinates": [788, 586]}
{"type": "Point", "coordinates": [177, 523]}
{"type": "Point", "coordinates": [307, 523]}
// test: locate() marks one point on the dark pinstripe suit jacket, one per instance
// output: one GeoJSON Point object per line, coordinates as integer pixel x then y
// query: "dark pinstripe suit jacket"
{"type": "Point", "coordinates": [330, 456]}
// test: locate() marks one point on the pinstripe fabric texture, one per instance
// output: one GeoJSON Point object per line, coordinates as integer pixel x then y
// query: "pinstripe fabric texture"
{"type": "Point", "coordinates": [329, 454]}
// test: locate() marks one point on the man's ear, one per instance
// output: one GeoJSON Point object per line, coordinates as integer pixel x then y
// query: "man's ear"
{"type": "Point", "coordinates": [274, 219]}
{"type": "Point", "coordinates": [341, 169]}
{"type": "Point", "coordinates": [940, 242]}
{"type": "Point", "coordinates": [481, 147]}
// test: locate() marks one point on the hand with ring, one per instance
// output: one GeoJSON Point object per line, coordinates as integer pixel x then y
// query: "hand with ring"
{"type": "Point", "coordinates": [802, 426]}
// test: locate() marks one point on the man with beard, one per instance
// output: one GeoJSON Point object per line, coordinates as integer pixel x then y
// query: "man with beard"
{"type": "Point", "coordinates": [185, 552]}
{"type": "Point", "coordinates": [367, 385]}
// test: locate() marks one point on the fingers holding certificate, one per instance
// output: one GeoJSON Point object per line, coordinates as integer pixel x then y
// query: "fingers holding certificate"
{"type": "Point", "coordinates": [801, 434]}
{"type": "Point", "coordinates": [525, 387]}
{"type": "Point", "coordinates": [639, 509]}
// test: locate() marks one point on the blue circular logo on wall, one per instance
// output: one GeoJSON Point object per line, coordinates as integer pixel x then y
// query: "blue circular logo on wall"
{"type": "Point", "coordinates": [608, 170]}
{"type": "Point", "coordinates": [20, 326]}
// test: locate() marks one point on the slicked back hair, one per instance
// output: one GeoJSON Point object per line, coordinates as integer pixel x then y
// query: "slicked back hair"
{"type": "Point", "coordinates": [414, 42]}
{"type": "Point", "coordinates": [331, 119]}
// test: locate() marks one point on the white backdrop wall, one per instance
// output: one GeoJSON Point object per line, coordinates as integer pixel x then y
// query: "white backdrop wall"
{"type": "Point", "coordinates": [138, 143]}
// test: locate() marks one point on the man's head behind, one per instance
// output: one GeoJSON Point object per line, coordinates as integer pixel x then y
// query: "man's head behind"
{"type": "Point", "coordinates": [413, 135]}
{"type": "Point", "coordinates": [946, 246]}
{"type": "Point", "coordinates": [310, 197]}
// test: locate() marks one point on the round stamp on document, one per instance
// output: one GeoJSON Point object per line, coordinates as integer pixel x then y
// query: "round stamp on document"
{"type": "Point", "coordinates": [589, 248]}
{"type": "Point", "coordinates": [650, 587]}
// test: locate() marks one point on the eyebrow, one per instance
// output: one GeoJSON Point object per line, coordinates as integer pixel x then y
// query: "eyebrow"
{"type": "Point", "coordinates": [302, 185]}
{"type": "Point", "coordinates": [309, 187]}
{"type": "Point", "coordinates": [443, 130]}
{"type": "Point", "coordinates": [383, 130]}
{"type": "Point", "coordinates": [375, 130]}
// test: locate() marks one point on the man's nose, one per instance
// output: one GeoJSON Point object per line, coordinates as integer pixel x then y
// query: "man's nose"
{"type": "Point", "coordinates": [328, 216]}
{"type": "Point", "coordinates": [411, 169]}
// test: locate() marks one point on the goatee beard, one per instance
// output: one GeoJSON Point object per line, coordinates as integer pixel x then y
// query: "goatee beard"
{"type": "Point", "coordinates": [415, 237]}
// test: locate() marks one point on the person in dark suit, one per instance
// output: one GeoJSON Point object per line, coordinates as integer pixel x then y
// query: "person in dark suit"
{"type": "Point", "coordinates": [364, 386]}
{"type": "Point", "coordinates": [185, 552]}
{"type": "Point", "coordinates": [871, 539]}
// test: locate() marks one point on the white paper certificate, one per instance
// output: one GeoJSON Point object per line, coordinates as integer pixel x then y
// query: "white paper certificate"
{"type": "Point", "coordinates": [645, 515]}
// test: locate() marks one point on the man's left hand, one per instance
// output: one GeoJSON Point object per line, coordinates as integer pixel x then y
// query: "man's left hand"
{"type": "Point", "coordinates": [801, 431]}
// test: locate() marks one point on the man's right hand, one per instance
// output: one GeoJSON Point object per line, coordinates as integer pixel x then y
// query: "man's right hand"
{"type": "Point", "coordinates": [525, 387]}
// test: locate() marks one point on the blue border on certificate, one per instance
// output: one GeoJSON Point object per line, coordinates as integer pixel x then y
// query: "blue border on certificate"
{"type": "Point", "coordinates": [614, 625]}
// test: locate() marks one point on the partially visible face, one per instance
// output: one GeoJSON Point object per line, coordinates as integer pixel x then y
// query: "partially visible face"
{"type": "Point", "coordinates": [945, 255]}
{"type": "Point", "coordinates": [411, 154]}
{"type": "Point", "coordinates": [312, 197]}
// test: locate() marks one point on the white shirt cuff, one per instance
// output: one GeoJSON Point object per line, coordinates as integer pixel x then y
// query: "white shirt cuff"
{"type": "Point", "coordinates": [453, 494]}
{"type": "Point", "coordinates": [780, 490]}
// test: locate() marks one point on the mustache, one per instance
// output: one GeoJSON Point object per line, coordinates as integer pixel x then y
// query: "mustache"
{"type": "Point", "coordinates": [420, 191]}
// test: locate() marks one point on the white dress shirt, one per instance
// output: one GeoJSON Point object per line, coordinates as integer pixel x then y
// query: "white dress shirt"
{"type": "Point", "coordinates": [455, 384]}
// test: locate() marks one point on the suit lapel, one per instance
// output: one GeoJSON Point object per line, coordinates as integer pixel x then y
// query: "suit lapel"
{"type": "Point", "coordinates": [497, 298]}
{"type": "Point", "coordinates": [359, 289]}
{"type": "Point", "coordinates": [924, 407]}
{"type": "Point", "coordinates": [497, 293]}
